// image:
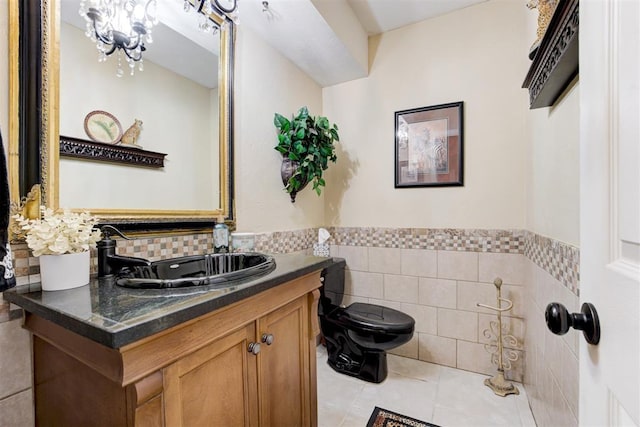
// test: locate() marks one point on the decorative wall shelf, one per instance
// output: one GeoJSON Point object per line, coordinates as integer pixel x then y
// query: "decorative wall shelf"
{"type": "Point", "coordinates": [83, 149]}
{"type": "Point", "coordinates": [556, 62]}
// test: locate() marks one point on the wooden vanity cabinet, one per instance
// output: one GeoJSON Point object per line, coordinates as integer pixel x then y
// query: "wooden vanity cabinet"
{"type": "Point", "coordinates": [201, 373]}
{"type": "Point", "coordinates": [218, 382]}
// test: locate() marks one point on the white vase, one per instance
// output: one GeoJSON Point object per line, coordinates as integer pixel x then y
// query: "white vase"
{"type": "Point", "coordinates": [58, 272]}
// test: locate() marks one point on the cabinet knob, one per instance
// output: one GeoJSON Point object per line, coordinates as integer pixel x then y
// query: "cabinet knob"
{"type": "Point", "coordinates": [559, 320]}
{"type": "Point", "coordinates": [267, 339]}
{"type": "Point", "coordinates": [253, 348]}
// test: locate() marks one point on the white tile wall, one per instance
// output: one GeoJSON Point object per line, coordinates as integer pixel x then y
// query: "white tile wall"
{"type": "Point", "coordinates": [513, 326]}
{"type": "Point", "coordinates": [15, 367]}
{"type": "Point", "coordinates": [509, 267]}
{"type": "Point", "coordinates": [426, 317]}
{"type": "Point", "coordinates": [458, 324]}
{"type": "Point", "coordinates": [419, 262]}
{"type": "Point", "coordinates": [400, 288]}
{"type": "Point", "coordinates": [458, 265]}
{"type": "Point", "coordinates": [551, 375]}
{"type": "Point", "coordinates": [410, 349]}
{"type": "Point", "coordinates": [385, 260]}
{"type": "Point", "coordinates": [435, 349]}
{"type": "Point", "coordinates": [364, 284]}
{"type": "Point", "coordinates": [439, 289]}
{"type": "Point", "coordinates": [437, 292]}
{"type": "Point", "coordinates": [16, 399]}
{"type": "Point", "coordinates": [358, 256]}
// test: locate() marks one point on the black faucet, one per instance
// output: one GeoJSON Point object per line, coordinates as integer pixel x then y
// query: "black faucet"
{"type": "Point", "coordinates": [109, 263]}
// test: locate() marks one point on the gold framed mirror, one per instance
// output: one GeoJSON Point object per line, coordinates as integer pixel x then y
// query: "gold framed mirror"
{"type": "Point", "coordinates": [57, 101]}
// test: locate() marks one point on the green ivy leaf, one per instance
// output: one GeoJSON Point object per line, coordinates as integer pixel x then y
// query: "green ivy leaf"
{"type": "Point", "coordinates": [308, 140]}
{"type": "Point", "coordinates": [281, 122]}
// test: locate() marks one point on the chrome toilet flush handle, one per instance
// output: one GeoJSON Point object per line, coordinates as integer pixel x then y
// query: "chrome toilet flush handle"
{"type": "Point", "coordinates": [559, 321]}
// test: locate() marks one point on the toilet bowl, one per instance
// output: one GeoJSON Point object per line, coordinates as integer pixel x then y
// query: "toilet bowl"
{"type": "Point", "coordinates": [358, 336]}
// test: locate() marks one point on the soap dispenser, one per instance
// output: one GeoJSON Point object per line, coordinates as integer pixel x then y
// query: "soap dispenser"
{"type": "Point", "coordinates": [220, 237]}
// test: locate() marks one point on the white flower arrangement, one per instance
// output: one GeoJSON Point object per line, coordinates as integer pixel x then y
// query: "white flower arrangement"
{"type": "Point", "coordinates": [60, 233]}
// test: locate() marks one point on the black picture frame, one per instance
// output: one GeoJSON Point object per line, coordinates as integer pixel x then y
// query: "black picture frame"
{"type": "Point", "coordinates": [429, 146]}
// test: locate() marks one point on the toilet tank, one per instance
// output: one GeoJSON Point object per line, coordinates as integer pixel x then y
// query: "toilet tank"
{"type": "Point", "coordinates": [332, 290]}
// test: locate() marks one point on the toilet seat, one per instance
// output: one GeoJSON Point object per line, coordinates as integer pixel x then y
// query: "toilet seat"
{"type": "Point", "coordinates": [376, 318]}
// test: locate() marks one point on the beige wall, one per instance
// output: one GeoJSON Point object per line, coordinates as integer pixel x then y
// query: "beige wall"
{"type": "Point", "coordinates": [553, 178]}
{"type": "Point", "coordinates": [266, 83]}
{"type": "Point", "coordinates": [475, 55]}
{"type": "Point", "coordinates": [552, 210]}
{"type": "Point", "coordinates": [175, 112]}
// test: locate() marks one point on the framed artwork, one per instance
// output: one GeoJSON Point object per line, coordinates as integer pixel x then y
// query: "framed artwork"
{"type": "Point", "coordinates": [429, 146]}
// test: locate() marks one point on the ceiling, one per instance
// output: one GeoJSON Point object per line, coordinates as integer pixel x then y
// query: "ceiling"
{"type": "Point", "coordinates": [328, 38]}
{"type": "Point", "coordinates": [379, 16]}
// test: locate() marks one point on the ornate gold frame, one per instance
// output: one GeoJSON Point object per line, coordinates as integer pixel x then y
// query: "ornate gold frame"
{"type": "Point", "coordinates": [48, 190]}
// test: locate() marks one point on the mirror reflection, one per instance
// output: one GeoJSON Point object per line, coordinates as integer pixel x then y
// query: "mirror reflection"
{"type": "Point", "coordinates": [171, 106]}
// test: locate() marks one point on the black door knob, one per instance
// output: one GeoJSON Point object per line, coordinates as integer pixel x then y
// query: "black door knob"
{"type": "Point", "coordinates": [559, 321]}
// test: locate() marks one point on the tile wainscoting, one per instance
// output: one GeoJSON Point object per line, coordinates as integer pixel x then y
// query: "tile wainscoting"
{"type": "Point", "coordinates": [435, 275]}
{"type": "Point", "coordinates": [551, 372]}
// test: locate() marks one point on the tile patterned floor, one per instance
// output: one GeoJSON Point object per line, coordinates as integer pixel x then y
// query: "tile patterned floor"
{"type": "Point", "coordinates": [444, 396]}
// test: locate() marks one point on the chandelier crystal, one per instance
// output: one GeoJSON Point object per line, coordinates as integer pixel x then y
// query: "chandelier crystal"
{"type": "Point", "coordinates": [121, 26]}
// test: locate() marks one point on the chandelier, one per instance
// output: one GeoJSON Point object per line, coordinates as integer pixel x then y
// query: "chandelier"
{"type": "Point", "coordinates": [121, 26]}
{"type": "Point", "coordinates": [124, 26]}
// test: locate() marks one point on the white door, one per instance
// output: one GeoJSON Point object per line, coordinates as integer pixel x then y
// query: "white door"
{"type": "Point", "coordinates": [610, 208]}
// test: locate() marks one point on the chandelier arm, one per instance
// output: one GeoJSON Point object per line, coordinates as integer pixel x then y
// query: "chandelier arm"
{"type": "Point", "coordinates": [224, 9]}
{"type": "Point", "coordinates": [99, 35]}
{"type": "Point", "coordinates": [113, 49]}
{"type": "Point", "coordinates": [200, 6]}
{"type": "Point", "coordinates": [130, 46]}
{"type": "Point", "coordinates": [146, 10]}
{"type": "Point", "coordinates": [133, 58]}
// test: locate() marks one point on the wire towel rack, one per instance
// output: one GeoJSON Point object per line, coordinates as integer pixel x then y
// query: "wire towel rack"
{"type": "Point", "coordinates": [495, 347]}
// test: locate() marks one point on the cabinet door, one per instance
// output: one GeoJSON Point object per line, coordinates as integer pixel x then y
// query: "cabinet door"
{"type": "Point", "coordinates": [216, 385]}
{"type": "Point", "coordinates": [284, 366]}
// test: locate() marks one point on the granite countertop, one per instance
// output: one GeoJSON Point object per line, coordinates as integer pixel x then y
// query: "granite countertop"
{"type": "Point", "coordinates": [115, 316]}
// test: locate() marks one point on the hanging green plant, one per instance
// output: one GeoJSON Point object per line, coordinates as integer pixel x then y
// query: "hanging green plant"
{"type": "Point", "coordinates": [307, 145]}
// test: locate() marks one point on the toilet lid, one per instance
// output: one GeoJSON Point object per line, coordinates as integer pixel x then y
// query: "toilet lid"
{"type": "Point", "coordinates": [377, 317]}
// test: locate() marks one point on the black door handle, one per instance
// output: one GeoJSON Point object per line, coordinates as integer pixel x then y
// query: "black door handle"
{"type": "Point", "coordinates": [559, 320]}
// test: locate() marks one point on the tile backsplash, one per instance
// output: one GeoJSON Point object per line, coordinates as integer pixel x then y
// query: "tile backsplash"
{"type": "Point", "coordinates": [561, 260]}
{"type": "Point", "coordinates": [470, 240]}
{"type": "Point", "coordinates": [435, 275]}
